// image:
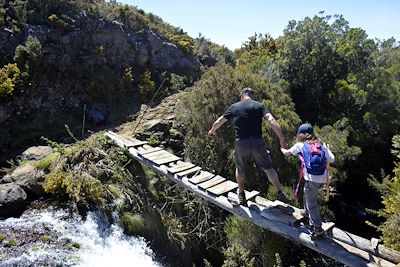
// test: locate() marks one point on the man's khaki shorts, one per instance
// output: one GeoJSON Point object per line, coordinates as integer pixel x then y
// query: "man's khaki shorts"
{"type": "Point", "coordinates": [247, 150]}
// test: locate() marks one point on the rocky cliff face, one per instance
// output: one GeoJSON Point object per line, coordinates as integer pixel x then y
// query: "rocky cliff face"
{"type": "Point", "coordinates": [90, 41]}
{"type": "Point", "coordinates": [83, 62]}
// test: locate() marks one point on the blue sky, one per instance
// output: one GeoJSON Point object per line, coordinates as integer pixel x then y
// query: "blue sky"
{"type": "Point", "coordinates": [230, 23]}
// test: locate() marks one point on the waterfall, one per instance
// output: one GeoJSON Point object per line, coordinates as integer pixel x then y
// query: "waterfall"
{"type": "Point", "coordinates": [55, 237]}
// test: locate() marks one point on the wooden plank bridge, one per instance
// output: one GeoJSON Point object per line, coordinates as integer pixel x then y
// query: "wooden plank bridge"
{"type": "Point", "coordinates": [275, 216]}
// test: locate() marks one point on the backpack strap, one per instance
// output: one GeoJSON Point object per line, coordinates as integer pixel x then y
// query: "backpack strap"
{"type": "Point", "coordinates": [296, 192]}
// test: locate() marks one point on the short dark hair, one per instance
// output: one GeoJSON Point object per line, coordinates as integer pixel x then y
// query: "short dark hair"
{"type": "Point", "coordinates": [248, 91]}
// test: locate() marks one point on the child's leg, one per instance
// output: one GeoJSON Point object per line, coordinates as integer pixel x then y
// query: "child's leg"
{"type": "Point", "coordinates": [311, 203]}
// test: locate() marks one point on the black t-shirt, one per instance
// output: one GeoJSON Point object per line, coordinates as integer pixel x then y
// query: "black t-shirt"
{"type": "Point", "coordinates": [247, 117]}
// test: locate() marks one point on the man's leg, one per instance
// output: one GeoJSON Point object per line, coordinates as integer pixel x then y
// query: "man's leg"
{"type": "Point", "coordinates": [241, 155]}
{"type": "Point", "coordinates": [263, 160]}
{"type": "Point", "coordinates": [240, 179]}
{"type": "Point", "coordinates": [273, 178]}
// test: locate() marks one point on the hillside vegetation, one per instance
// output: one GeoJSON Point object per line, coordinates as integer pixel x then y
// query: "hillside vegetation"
{"type": "Point", "coordinates": [58, 57]}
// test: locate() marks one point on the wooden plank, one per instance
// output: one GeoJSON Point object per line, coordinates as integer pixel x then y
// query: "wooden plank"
{"type": "Point", "coordinates": [222, 187]}
{"type": "Point", "coordinates": [188, 171]}
{"type": "Point", "coordinates": [283, 207]}
{"type": "Point", "coordinates": [202, 177]}
{"type": "Point", "coordinates": [160, 156]}
{"type": "Point", "coordinates": [146, 146]}
{"type": "Point", "coordinates": [172, 158]}
{"type": "Point", "coordinates": [268, 203]}
{"type": "Point", "coordinates": [156, 154]}
{"type": "Point", "coordinates": [143, 151]}
{"type": "Point", "coordinates": [233, 198]}
{"type": "Point", "coordinates": [327, 226]}
{"type": "Point", "coordinates": [132, 142]}
{"type": "Point", "coordinates": [210, 183]}
{"type": "Point", "coordinates": [180, 168]}
{"type": "Point", "coordinates": [276, 214]}
{"type": "Point", "coordinates": [251, 195]}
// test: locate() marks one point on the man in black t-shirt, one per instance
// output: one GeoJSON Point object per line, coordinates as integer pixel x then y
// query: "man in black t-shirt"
{"type": "Point", "coordinates": [247, 115]}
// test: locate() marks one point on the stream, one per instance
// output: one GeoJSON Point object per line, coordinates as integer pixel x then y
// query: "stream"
{"type": "Point", "coordinates": [55, 237]}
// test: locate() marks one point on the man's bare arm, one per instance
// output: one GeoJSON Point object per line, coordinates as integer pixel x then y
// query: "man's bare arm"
{"type": "Point", "coordinates": [276, 128]}
{"type": "Point", "coordinates": [218, 123]}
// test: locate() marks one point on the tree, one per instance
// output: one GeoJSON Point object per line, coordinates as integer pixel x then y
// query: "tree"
{"type": "Point", "coordinates": [315, 55]}
{"type": "Point", "coordinates": [389, 189]}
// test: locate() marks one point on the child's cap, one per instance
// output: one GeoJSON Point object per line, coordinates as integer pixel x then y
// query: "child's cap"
{"type": "Point", "coordinates": [305, 128]}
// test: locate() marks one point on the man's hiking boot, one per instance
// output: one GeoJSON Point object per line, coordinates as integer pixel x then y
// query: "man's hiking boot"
{"type": "Point", "coordinates": [282, 197]}
{"type": "Point", "coordinates": [242, 198]}
{"type": "Point", "coordinates": [303, 212]}
{"type": "Point", "coordinates": [317, 232]}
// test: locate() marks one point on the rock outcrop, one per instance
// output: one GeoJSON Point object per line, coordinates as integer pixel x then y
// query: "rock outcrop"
{"type": "Point", "coordinates": [28, 177]}
{"type": "Point", "coordinates": [36, 153]}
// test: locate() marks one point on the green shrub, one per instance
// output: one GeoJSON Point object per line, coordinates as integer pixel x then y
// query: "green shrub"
{"type": "Point", "coordinates": [177, 82]}
{"type": "Point", "coordinates": [237, 255]}
{"type": "Point", "coordinates": [57, 22]}
{"type": "Point", "coordinates": [10, 78]}
{"type": "Point", "coordinates": [11, 243]}
{"type": "Point", "coordinates": [28, 56]}
{"type": "Point", "coordinates": [128, 75]}
{"type": "Point", "coordinates": [45, 163]}
{"type": "Point", "coordinates": [2, 237]}
{"type": "Point", "coordinates": [240, 231]}
{"type": "Point", "coordinates": [153, 141]}
{"type": "Point", "coordinates": [45, 238]}
{"type": "Point", "coordinates": [183, 41]}
{"type": "Point", "coordinates": [20, 14]}
{"type": "Point", "coordinates": [77, 188]}
{"type": "Point", "coordinates": [133, 223]}
{"type": "Point", "coordinates": [54, 182]}
{"type": "Point", "coordinates": [2, 16]}
{"type": "Point", "coordinates": [76, 245]}
{"type": "Point", "coordinates": [147, 87]}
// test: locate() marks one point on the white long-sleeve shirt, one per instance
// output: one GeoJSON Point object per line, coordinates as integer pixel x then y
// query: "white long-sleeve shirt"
{"type": "Point", "coordinates": [298, 148]}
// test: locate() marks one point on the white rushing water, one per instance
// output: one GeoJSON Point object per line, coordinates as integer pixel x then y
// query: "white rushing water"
{"type": "Point", "coordinates": [99, 243]}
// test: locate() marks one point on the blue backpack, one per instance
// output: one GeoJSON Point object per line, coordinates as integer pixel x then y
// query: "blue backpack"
{"type": "Point", "coordinates": [314, 157]}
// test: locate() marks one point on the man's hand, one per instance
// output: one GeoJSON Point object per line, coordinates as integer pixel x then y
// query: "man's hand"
{"type": "Point", "coordinates": [283, 143]}
{"type": "Point", "coordinates": [221, 120]}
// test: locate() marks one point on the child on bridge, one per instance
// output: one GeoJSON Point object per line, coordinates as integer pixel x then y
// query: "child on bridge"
{"type": "Point", "coordinates": [313, 154]}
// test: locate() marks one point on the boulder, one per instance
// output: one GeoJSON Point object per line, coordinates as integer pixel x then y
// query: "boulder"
{"type": "Point", "coordinates": [28, 177]}
{"type": "Point", "coordinates": [36, 152]}
{"type": "Point", "coordinates": [12, 200]}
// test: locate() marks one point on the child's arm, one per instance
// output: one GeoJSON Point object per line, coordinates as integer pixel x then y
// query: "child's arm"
{"type": "Point", "coordinates": [285, 151]}
{"type": "Point", "coordinates": [329, 155]}
{"type": "Point", "coordinates": [294, 150]}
